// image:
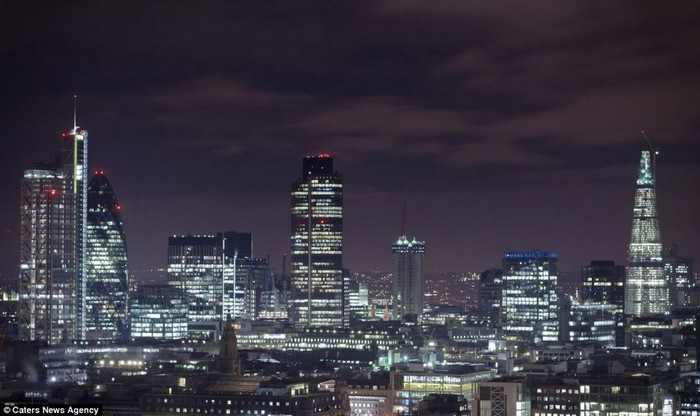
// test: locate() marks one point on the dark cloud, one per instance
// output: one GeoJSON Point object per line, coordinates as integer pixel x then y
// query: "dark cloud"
{"type": "Point", "coordinates": [503, 125]}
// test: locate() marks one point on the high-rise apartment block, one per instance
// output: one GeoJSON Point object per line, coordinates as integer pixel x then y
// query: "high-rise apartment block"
{"type": "Point", "coordinates": [529, 298]}
{"type": "Point", "coordinates": [53, 243]}
{"type": "Point", "coordinates": [646, 288]}
{"type": "Point", "coordinates": [107, 288]}
{"type": "Point", "coordinates": [408, 280]}
{"type": "Point", "coordinates": [317, 245]}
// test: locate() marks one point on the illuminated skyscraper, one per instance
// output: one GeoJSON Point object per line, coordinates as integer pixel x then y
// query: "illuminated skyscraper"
{"type": "Point", "coordinates": [603, 283]}
{"type": "Point", "coordinates": [75, 168]}
{"type": "Point", "coordinates": [317, 245]}
{"type": "Point", "coordinates": [203, 268]}
{"type": "Point", "coordinates": [678, 272]}
{"type": "Point", "coordinates": [529, 298]}
{"type": "Point", "coordinates": [407, 284]}
{"type": "Point", "coordinates": [646, 288]}
{"type": "Point", "coordinates": [53, 211]}
{"type": "Point", "coordinates": [46, 286]}
{"type": "Point", "coordinates": [107, 290]}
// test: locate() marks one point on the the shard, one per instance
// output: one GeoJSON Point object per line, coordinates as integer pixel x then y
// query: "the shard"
{"type": "Point", "coordinates": [646, 289]}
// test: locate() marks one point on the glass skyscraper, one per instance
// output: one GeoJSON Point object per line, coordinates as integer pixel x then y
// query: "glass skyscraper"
{"type": "Point", "coordinates": [53, 214]}
{"type": "Point", "coordinates": [107, 294]}
{"type": "Point", "coordinates": [47, 286]}
{"type": "Point", "coordinates": [213, 273]}
{"type": "Point", "coordinates": [529, 298]}
{"type": "Point", "coordinates": [317, 245]}
{"type": "Point", "coordinates": [603, 283]}
{"type": "Point", "coordinates": [75, 167]}
{"type": "Point", "coordinates": [408, 280]}
{"type": "Point", "coordinates": [646, 288]}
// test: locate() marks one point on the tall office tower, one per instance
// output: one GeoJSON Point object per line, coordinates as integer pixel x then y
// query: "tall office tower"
{"type": "Point", "coordinates": [490, 288]}
{"type": "Point", "coordinates": [209, 270]}
{"type": "Point", "coordinates": [529, 298]}
{"type": "Point", "coordinates": [250, 297]}
{"type": "Point", "coordinates": [678, 272]}
{"type": "Point", "coordinates": [407, 285]}
{"type": "Point", "coordinates": [646, 289]}
{"type": "Point", "coordinates": [47, 256]}
{"type": "Point", "coordinates": [603, 282]}
{"type": "Point", "coordinates": [107, 289]}
{"type": "Point", "coordinates": [75, 169]}
{"type": "Point", "coordinates": [317, 245]}
{"type": "Point", "coordinates": [53, 211]}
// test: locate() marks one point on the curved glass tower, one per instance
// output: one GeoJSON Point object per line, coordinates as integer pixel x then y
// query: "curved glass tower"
{"type": "Point", "coordinates": [646, 289]}
{"type": "Point", "coordinates": [106, 294]}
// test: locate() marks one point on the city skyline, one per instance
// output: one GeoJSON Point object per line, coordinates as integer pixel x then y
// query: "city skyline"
{"type": "Point", "coordinates": [499, 134]}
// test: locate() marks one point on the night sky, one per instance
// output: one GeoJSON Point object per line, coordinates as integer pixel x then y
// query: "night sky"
{"type": "Point", "coordinates": [501, 125]}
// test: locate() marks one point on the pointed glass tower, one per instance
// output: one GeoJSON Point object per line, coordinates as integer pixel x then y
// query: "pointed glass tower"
{"type": "Point", "coordinates": [106, 294]}
{"type": "Point", "coordinates": [646, 289]}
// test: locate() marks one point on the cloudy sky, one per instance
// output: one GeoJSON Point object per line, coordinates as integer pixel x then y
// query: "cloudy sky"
{"type": "Point", "coordinates": [501, 125]}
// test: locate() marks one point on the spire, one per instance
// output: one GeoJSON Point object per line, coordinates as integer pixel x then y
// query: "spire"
{"type": "Point", "coordinates": [403, 222]}
{"type": "Point", "coordinates": [75, 113]}
{"type": "Point", "coordinates": [649, 163]}
{"type": "Point", "coordinates": [229, 362]}
{"type": "Point", "coordinates": [646, 289]}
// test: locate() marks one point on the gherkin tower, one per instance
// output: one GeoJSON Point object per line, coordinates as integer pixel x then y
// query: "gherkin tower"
{"type": "Point", "coordinates": [646, 289]}
{"type": "Point", "coordinates": [106, 297]}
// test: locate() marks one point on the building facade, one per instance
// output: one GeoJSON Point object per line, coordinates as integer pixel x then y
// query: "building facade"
{"type": "Point", "coordinates": [107, 288]}
{"type": "Point", "coordinates": [213, 273]}
{"type": "Point", "coordinates": [502, 397]}
{"type": "Point", "coordinates": [317, 297]}
{"type": "Point", "coordinates": [47, 286]}
{"type": "Point", "coordinates": [529, 298]}
{"type": "Point", "coordinates": [490, 292]}
{"type": "Point", "coordinates": [53, 218]}
{"type": "Point", "coordinates": [408, 280]}
{"type": "Point", "coordinates": [603, 282]}
{"type": "Point", "coordinates": [646, 288]}
{"type": "Point", "coordinates": [159, 312]}
{"type": "Point", "coordinates": [678, 272]}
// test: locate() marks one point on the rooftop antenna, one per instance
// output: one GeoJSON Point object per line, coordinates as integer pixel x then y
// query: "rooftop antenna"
{"type": "Point", "coordinates": [403, 222]}
{"type": "Point", "coordinates": [75, 113]}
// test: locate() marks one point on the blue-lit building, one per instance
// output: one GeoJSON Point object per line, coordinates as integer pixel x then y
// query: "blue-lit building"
{"type": "Point", "coordinates": [107, 291]}
{"type": "Point", "coordinates": [529, 298]}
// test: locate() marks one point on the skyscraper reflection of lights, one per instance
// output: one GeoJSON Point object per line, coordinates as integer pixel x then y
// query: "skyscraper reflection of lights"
{"type": "Point", "coordinates": [106, 295]}
{"type": "Point", "coordinates": [646, 289]}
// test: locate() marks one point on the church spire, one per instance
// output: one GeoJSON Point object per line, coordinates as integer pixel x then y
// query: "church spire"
{"type": "Point", "coordinates": [229, 361]}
